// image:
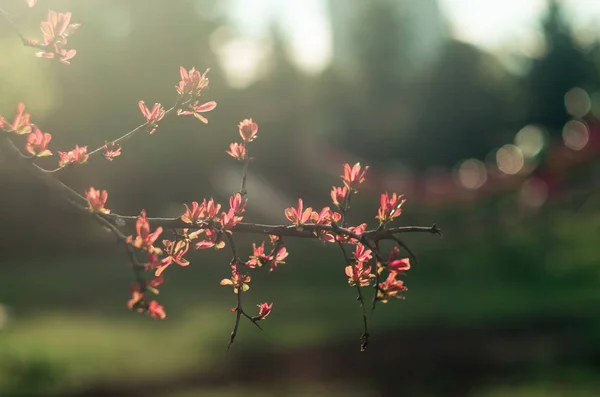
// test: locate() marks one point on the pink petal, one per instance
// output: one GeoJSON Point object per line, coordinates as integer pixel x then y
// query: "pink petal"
{"type": "Point", "coordinates": [201, 118]}
{"type": "Point", "coordinates": [207, 107]}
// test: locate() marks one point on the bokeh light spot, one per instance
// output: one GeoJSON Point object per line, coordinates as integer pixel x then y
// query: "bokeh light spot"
{"type": "Point", "coordinates": [576, 135]}
{"type": "Point", "coordinates": [510, 159]}
{"type": "Point", "coordinates": [533, 193]}
{"type": "Point", "coordinates": [577, 102]}
{"type": "Point", "coordinates": [471, 174]}
{"type": "Point", "coordinates": [530, 140]}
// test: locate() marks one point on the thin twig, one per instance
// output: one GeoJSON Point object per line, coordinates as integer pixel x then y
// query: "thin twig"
{"type": "Point", "coordinates": [374, 247]}
{"type": "Point", "coordinates": [139, 127]}
{"type": "Point", "coordinates": [8, 148]}
{"type": "Point", "coordinates": [136, 265]}
{"type": "Point", "coordinates": [364, 338]}
{"type": "Point", "coordinates": [238, 315]}
{"type": "Point", "coordinates": [235, 261]}
{"type": "Point", "coordinates": [243, 190]}
{"type": "Point", "coordinates": [371, 244]}
{"type": "Point", "coordinates": [8, 18]}
{"type": "Point", "coordinates": [120, 139]}
{"type": "Point", "coordinates": [238, 308]}
{"type": "Point", "coordinates": [377, 280]}
{"type": "Point", "coordinates": [403, 245]}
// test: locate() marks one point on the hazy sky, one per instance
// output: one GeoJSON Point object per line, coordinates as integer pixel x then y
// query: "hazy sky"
{"type": "Point", "coordinates": [506, 22]}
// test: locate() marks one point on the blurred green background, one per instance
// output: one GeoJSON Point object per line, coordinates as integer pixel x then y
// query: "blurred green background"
{"type": "Point", "coordinates": [484, 113]}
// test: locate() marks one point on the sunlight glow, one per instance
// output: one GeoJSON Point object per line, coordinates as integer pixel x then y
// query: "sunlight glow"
{"type": "Point", "coordinates": [491, 24]}
{"type": "Point", "coordinates": [241, 59]}
{"type": "Point", "coordinates": [311, 36]}
{"type": "Point", "coordinates": [304, 24]}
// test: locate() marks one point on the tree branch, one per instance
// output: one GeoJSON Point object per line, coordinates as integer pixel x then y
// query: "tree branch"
{"type": "Point", "coordinates": [284, 230]}
{"type": "Point", "coordinates": [92, 203]}
{"type": "Point", "coordinates": [8, 148]}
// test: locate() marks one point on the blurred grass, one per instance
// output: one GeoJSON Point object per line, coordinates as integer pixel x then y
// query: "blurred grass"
{"type": "Point", "coordinates": [68, 324]}
{"type": "Point", "coordinates": [586, 390]}
{"type": "Point", "coordinates": [293, 390]}
{"type": "Point", "coordinates": [536, 391]}
{"type": "Point", "coordinates": [91, 349]}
